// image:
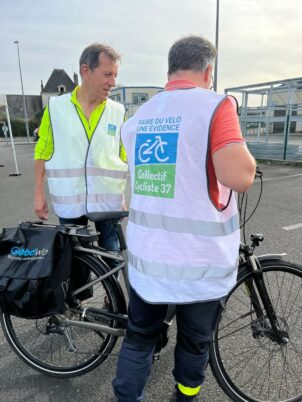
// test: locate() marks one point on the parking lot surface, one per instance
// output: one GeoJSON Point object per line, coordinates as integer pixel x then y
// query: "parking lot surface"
{"type": "Point", "coordinates": [280, 208]}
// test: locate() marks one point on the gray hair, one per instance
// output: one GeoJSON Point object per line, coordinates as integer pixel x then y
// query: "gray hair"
{"type": "Point", "coordinates": [193, 53]}
{"type": "Point", "coordinates": [90, 55]}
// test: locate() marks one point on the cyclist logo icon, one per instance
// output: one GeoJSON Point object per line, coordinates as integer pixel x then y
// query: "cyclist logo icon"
{"type": "Point", "coordinates": [153, 149]}
{"type": "Point", "coordinates": [156, 149]}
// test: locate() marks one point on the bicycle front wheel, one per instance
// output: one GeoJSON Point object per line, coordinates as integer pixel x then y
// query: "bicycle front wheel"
{"type": "Point", "coordinates": [62, 351]}
{"type": "Point", "coordinates": [246, 360]}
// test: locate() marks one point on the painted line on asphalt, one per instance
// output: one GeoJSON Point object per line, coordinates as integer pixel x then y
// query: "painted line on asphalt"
{"type": "Point", "coordinates": [282, 177]}
{"type": "Point", "coordinates": [293, 227]}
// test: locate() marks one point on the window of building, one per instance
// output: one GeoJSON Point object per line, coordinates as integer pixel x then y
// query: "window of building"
{"type": "Point", "coordinates": [135, 98]}
{"type": "Point", "coordinates": [144, 97]}
{"type": "Point", "coordinates": [139, 98]}
{"type": "Point", "coordinates": [61, 89]}
{"type": "Point", "coordinates": [116, 97]}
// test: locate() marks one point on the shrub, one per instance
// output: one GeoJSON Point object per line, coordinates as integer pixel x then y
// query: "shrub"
{"type": "Point", "coordinates": [19, 128]}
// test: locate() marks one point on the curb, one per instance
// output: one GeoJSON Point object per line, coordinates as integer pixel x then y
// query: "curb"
{"type": "Point", "coordinates": [279, 162]}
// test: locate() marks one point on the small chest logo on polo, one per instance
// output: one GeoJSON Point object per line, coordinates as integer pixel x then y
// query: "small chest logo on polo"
{"type": "Point", "coordinates": [111, 130]}
{"type": "Point", "coordinates": [155, 159]}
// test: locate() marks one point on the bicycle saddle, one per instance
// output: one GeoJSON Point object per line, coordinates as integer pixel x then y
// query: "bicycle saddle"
{"type": "Point", "coordinates": [107, 215]}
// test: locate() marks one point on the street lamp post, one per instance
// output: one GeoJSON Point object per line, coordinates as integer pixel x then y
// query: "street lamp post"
{"type": "Point", "coordinates": [216, 45]}
{"type": "Point", "coordinates": [23, 97]}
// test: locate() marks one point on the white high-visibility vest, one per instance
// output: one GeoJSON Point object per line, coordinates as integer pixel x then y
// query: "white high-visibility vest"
{"type": "Point", "coordinates": [85, 176]}
{"type": "Point", "coordinates": [181, 247]}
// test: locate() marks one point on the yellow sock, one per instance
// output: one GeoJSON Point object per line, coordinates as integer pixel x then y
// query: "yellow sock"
{"type": "Point", "coordinates": [188, 390]}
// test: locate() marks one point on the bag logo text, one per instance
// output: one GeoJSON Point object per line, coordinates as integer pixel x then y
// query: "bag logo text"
{"type": "Point", "coordinates": [28, 252]}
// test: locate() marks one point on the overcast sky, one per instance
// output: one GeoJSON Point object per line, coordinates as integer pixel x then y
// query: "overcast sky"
{"type": "Point", "coordinates": [259, 40]}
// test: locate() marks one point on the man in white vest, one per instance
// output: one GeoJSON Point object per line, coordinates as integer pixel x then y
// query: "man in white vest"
{"type": "Point", "coordinates": [79, 147]}
{"type": "Point", "coordinates": [187, 158]}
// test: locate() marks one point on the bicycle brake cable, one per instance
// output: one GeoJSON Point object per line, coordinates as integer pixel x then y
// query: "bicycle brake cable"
{"type": "Point", "coordinates": [242, 205]}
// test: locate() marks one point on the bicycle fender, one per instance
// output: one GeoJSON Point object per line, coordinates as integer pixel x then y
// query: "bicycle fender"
{"type": "Point", "coordinates": [266, 257]}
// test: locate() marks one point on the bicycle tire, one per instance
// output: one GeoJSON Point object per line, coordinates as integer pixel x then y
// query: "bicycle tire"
{"type": "Point", "coordinates": [257, 369]}
{"type": "Point", "coordinates": [48, 352]}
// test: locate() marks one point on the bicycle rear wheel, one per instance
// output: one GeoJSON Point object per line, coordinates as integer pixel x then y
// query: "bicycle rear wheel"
{"type": "Point", "coordinates": [247, 362]}
{"type": "Point", "coordinates": [47, 347]}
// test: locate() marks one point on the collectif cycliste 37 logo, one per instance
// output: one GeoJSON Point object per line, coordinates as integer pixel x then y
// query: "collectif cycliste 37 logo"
{"type": "Point", "coordinates": [155, 164]}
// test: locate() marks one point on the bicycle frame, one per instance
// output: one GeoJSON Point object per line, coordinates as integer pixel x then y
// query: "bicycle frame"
{"type": "Point", "coordinates": [121, 318]}
{"type": "Point", "coordinates": [65, 322]}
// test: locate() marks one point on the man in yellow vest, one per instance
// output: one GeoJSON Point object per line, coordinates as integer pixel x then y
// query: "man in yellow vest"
{"type": "Point", "coordinates": [186, 157]}
{"type": "Point", "coordinates": [79, 147]}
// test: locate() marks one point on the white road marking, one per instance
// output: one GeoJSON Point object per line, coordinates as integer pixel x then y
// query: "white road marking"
{"type": "Point", "coordinates": [292, 227]}
{"type": "Point", "coordinates": [297, 225]}
{"type": "Point", "coordinates": [282, 177]}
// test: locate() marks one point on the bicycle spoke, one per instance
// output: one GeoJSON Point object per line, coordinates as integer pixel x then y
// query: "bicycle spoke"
{"type": "Point", "coordinates": [295, 300]}
{"type": "Point", "coordinates": [286, 365]}
{"type": "Point", "coordinates": [245, 302]}
{"type": "Point", "coordinates": [234, 331]}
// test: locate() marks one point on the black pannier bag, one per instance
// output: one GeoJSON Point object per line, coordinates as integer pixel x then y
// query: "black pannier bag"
{"type": "Point", "coordinates": [35, 265]}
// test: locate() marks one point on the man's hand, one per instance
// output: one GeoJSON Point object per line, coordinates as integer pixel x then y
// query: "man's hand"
{"type": "Point", "coordinates": [40, 205]}
{"type": "Point", "coordinates": [124, 205]}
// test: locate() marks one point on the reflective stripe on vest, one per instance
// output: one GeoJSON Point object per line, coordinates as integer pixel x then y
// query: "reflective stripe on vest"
{"type": "Point", "coordinates": [183, 225]}
{"type": "Point", "coordinates": [78, 199]}
{"type": "Point", "coordinates": [90, 171]}
{"type": "Point", "coordinates": [85, 176]}
{"type": "Point", "coordinates": [179, 272]}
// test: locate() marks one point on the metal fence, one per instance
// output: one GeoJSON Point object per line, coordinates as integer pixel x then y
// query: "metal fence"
{"type": "Point", "coordinates": [271, 118]}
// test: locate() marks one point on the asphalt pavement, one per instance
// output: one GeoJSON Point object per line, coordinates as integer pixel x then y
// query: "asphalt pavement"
{"type": "Point", "coordinates": [280, 207]}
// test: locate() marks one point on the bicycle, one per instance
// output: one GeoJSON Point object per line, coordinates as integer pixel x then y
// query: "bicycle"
{"type": "Point", "coordinates": [257, 333]}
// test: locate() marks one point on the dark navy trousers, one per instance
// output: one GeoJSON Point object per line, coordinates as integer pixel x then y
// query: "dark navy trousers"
{"type": "Point", "coordinates": [195, 325]}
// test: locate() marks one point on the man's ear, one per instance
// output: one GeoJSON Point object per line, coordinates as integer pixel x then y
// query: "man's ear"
{"type": "Point", "coordinates": [84, 69]}
{"type": "Point", "coordinates": [208, 74]}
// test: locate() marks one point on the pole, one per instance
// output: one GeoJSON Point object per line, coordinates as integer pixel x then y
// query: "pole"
{"type": "Point", "coordinates": [216, 45]}
{"type": "Point", "coordinates": [23, 97]}
{"type": "Point", "coordinates": [17, 173]}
